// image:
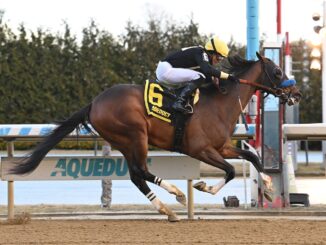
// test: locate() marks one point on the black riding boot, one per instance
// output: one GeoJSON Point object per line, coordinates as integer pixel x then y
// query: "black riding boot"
{"type": "Point", "coordinates": [180, 103]}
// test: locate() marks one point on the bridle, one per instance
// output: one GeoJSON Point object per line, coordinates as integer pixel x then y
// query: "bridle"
{"type": "Point", "coordinates": [280, 87]}
{"type": "Point", "coordinates": [275, 90]}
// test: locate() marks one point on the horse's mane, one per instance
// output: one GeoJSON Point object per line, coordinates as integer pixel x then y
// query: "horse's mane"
{"type": "Point", "coordinates": [236, 65]}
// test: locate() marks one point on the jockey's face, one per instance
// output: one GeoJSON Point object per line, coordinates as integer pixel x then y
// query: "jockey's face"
{"type": "Point", "coordinates": [216, 58]}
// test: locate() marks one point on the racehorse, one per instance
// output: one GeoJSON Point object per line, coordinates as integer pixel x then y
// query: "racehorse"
{"type": "Point", "coordinates": [118, 115]}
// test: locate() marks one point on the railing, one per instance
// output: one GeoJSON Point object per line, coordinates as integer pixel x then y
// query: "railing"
{"type": "Point", "coordinates": [165, 165]}
{"type": "Point", "coordinates": [35, 132]}
{"type": "Point", "coordinates": [64, 167]}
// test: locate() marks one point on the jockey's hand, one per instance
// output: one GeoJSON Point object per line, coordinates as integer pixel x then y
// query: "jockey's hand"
{"type": "Point", "coordinates": [233, 79]}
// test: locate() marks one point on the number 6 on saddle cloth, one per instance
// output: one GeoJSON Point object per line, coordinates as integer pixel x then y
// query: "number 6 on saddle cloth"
{"type": "Point", "coordinates": [159, 99]}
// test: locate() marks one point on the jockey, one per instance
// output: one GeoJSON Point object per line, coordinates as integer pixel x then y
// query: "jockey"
{"type": "Point", "coordinates": [192, 67]}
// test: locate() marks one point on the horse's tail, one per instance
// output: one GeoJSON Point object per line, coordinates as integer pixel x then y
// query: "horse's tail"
{"type": "Point", "coordinates": [65, 127]}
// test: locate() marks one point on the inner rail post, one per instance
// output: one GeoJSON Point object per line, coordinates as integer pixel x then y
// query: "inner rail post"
{"type": "Point", "coordinates": [11, 214]}
{"type": "Point", "coordinates": [190, 200]}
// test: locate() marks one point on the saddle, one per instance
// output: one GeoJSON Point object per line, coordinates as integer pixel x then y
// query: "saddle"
{"type": "Point", "coordinates": [158, 100]}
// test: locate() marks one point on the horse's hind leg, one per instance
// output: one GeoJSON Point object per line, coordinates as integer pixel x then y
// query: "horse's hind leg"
{"type": "Point", "coordinates": [136, 155]}
{"type": "Point", "coordinates": [137, 177]}
{"type": "Point", "coordinates": [146, 175]}
{"type": "Point", "coordinates": [180, 196]}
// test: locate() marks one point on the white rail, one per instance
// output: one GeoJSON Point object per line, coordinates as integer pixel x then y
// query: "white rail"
{"type": "Point", "coordinates": [35, 132]}
{"type": "Point", "coordinates": [28, 132]}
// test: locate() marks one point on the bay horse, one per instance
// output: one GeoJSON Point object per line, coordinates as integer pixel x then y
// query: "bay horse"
{"type": "Point", "coordinates": [119, 116]}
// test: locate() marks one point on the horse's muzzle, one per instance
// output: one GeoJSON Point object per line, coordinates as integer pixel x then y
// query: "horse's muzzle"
{"type": "Point", "coordinates": [297, 97]}
{"type": "Point", "coordinates": [294, 98]}
{"type": "Point", "coordinates": [290, 96]}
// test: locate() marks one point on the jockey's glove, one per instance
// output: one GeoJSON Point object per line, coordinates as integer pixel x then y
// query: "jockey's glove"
{"type": "Point", "coordinates": [226, 76]}
{"type": "Point", "coordinates": [233, 79]}
{"type": "Point", "coordinates": [230, 77]}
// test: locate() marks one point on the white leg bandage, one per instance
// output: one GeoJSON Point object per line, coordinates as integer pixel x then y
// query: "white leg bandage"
{"type": "Point", "coordinates": [267, 180]}
{"type": "Point", "coordinates": [166, 185]}
{"type": "Point", "coordinates": [154, 200]}
{"type": "Point", "coordinates": [215, 188]}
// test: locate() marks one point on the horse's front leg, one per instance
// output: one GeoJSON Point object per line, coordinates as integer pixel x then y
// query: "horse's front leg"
{"type": "Point", "coordinates": [213, 189]}
{"type": "Point", "coordinates": [251, 156]}
{"type": "Point", "coordinates": [213, 157]}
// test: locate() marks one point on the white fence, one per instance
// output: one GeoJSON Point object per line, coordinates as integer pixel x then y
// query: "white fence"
{"type": "Point", "coordinates": [168, 166]}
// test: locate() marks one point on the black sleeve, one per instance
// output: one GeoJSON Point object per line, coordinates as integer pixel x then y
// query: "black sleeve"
{"type": "Point", "coordinates": [203, 62]}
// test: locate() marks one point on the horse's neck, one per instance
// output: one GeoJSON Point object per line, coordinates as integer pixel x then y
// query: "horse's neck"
{"type": "Point", "coordinates": [232, 106]}
{"type": "Point", "coordinates": [246, 91]}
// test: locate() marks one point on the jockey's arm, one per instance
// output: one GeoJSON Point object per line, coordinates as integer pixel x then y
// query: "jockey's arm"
{"type": "Point", "coordinates": [208, 69]}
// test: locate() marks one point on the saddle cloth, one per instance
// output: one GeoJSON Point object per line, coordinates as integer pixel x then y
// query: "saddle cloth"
{"type": "Point", "coordinates": [159, 99]}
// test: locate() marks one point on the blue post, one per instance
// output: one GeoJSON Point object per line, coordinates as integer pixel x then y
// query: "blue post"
{"type": "Point", "coordinates": [252, 29]}
{"type": "Point", "coordinates": [252, 48]}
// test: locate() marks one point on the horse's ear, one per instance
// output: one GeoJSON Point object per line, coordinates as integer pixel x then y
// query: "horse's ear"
{"type": "Point", "coordinates": [259, 56]}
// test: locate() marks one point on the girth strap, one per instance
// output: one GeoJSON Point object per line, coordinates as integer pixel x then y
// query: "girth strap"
{"type": "Point", "coordinates": [180, 123]}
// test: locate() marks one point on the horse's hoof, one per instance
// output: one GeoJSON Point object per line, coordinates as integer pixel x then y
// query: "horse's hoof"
{"type": "Point", "coordinates": [200, 185]}
{"type": "Point", "coordinates": [173, 218]}
{"type": "Point", "coordinates": [268, 195]}
{"type": "Point", "coordinates": [182, 199]}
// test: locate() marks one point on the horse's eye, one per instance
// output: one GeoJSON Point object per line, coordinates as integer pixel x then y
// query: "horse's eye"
{"type": "Point", "coordinates": [278, 73]}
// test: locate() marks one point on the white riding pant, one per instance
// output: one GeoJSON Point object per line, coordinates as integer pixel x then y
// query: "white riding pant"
{"type": "Point", "coordinates": [167, 74]}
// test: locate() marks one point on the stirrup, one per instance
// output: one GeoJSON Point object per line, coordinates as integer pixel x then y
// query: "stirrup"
{"type": "Point", "coordinates": [187, 109]}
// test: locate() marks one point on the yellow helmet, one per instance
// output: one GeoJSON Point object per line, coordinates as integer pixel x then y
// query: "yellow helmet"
{"type": "Point", "coordinates": [217, 45]}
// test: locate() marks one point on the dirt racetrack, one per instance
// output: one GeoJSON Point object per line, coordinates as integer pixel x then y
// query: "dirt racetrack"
{"type": "Point", "coordinates": [262, 231]}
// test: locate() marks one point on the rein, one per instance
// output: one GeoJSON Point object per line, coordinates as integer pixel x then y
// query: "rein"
{"type": "Point", "coordinates": [276, 91]}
